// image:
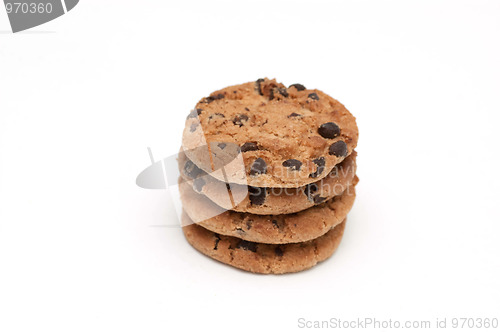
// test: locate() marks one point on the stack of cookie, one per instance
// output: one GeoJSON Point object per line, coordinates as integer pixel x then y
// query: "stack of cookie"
{"type": "Point", "coordinates": [267, 176]}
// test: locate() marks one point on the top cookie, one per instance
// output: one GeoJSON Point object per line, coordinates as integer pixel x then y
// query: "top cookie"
{"type": "Point", "coordinates": [285, 137]}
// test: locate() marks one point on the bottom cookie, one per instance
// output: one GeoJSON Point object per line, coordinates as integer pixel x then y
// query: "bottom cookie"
{"type": "Point", "coordinates": [259, 257]}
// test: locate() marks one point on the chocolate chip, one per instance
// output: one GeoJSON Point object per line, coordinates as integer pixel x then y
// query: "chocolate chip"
{"type": "Point", "coordinates": [258, 87]}
{"type": "Point", "coordinates": [249, 146]}
{"type": "Point", "coordinates": [191, 170]}
{"type": "Point", "coordinates": [320, 167]}
{"type": "Point", "coordinates": [313, 96]}
{"type": "Point", "coordinates": [249, 223]}
{"type": "Point", "coordinates": [310, 189]}
{"type": "Point", "coordinates": [294, 164]}
{"type": "Point", "coordinates": [275, 223]}
{"type": "Point", "coordinates": [240, 119]}
{"type": "Point", "coordinates": [216, 116]}
{"type": "Point", "coordinates": [278, 251]}
{"type": "Point", "coordinates": [257, 195]}
{"type": "Point", "coordinates": [222, 145]}
{"type": "Point", "coordinates": [194, 113]}
{"type": "Point", "coordinates": [329, 130]}
{"type": "Point", "coordinates": [259, 166]}
{"type": "Point", "coordinates": [245, 245]}
{"type": "Point", "coordinates": [281, 91]}
{"type": "Point", "coordinates": [297, 86]}
{"type": "Point", "coordinates": [210, 99]}
{"type": "Point", "coordinates": [338, 149]}
{"type": "Point", "coordinates": [217, 239]}
{"type": "Point", "coordinates": [318, 199]}
{"type": "Point", "coordinates": [198, 184]}
{"type": "Point", "coordinates": [294, 115]}
{"type": "Point", "coordinates": [247, 109]}
{"type": "Point", "coordinates": [193, 127]}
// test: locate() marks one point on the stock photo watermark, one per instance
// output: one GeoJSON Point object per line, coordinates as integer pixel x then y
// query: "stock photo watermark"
{"type": "Point", "coordinates": [377, 324]}
{"type": "Point", "coordinates": [24, 15]}
{"type": "Point", "coordinates": [218, 170]}
{"type": "Point", "coordinates": [178, 173]}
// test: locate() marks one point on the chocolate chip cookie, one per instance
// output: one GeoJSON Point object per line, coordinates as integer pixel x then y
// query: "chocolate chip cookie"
{"type": "Point", "coordinates": [269, 200]}
{"type": "Point", "coordinates": [284, 228]}
{"type": "Point", "coordinates": [263, 258]}
{"type": "Point", "coordinates": [286, 137]}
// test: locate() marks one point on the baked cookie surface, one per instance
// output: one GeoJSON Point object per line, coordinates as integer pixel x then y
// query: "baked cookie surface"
{"type": "Point", "coordinates": [258, 200]}
{"type": "Point", "coordinates": [287, 137]}
{"type": "Point", "coordinates": [275, 229]}
{"type": "Point", "coordinates": [263, 258]}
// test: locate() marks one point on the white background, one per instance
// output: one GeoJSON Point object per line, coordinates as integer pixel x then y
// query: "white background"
{"type": "Point", "coordinates": [83, 96]}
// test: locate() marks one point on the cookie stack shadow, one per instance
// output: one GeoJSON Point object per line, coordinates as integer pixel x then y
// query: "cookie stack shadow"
{"type": "Point", "coordinates": [254, 205]}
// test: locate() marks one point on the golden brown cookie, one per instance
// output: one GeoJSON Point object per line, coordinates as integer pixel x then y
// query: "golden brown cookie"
{"type": "Point", "coordinates": [286, 137]}
{"type": "Point", "coordinates": [263, 258]}
{"type": "Point", "coordinates": [284, 228]}
{"type": "Point", "coordinates": [269, 200]}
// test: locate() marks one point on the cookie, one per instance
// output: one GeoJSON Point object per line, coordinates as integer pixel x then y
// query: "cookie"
{"type": "Point", "coordinates": [263, 258]}
{"type": "Point", "coordinates": [269, 200]}
{"type": "Point", "coordinates": [284, 228]}
{"type": "Point", "coordinates": [284, 137]}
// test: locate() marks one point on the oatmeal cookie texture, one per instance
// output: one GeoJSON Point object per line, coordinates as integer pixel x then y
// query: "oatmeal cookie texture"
{"type": "Point", "coordinates": [267, 176]}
